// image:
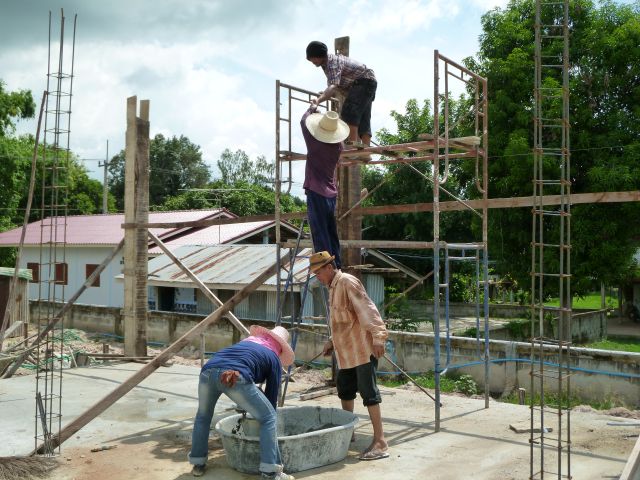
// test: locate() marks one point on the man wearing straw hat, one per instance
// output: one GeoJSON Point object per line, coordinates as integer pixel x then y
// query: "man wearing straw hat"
{"type": "Point", "coordinates": [323, 134]}
{"type": "Point", "coordinates": [234, 371]}
{"type": "Point", "coordinates": [358, 337]}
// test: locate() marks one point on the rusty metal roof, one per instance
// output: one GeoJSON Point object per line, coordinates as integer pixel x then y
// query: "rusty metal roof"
{"type": "Point", "coordinates": [225, 266]}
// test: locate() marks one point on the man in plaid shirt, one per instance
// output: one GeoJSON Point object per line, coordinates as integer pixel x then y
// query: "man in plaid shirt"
{"type": "Point", "coordinates": [358, 337]}
{"type": "Point", "coordinates": [354, 78]}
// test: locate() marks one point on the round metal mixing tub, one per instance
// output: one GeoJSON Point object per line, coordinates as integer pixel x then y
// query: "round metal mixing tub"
{"type": "Point", "coordinates": [308, 437]}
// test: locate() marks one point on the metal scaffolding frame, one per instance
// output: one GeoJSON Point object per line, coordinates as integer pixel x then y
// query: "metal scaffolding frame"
{"type": "Point", "coordinates": [440, 149]}
{"type": "Point", "coordinates": [550, 455]}
{"type": "Point", "coordinates": [53, 272]}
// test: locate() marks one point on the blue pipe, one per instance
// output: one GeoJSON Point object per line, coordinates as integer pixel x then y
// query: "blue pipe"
{"type": "Point", "coordinates": [504, 360]}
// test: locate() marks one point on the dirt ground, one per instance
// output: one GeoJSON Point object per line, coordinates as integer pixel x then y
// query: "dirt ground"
{"type": "Point", "coordinates": [473, 441]}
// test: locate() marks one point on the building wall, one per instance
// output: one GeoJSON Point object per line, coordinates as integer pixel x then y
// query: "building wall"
{"type": "Point", "coordinates": [414, 352]}
{"type": "Point", "coordinates": [109, 293]}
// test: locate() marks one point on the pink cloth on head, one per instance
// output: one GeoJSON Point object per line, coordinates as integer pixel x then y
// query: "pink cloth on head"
{"type": "Point", "coordinates": [268, 341]}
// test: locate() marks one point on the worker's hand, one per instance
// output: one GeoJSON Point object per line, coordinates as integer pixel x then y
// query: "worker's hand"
{"type": "Point", "coordinates": [314, 105]}
{"type": "Point", "coordinates": [378, 351]}
{"type": "Point", "coordinates": [229, 377]}
{"type": "Point", "coordinates": [328, 348]}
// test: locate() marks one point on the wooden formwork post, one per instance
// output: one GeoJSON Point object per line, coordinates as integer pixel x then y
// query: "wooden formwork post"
{"type": "Point", "coordinates": [349, 187]}
{"type": "Point", "coordinates": [136, 211]}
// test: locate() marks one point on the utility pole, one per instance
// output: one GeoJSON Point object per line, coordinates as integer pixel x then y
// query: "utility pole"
{"type": "Point", "coordinates": [105, 189]}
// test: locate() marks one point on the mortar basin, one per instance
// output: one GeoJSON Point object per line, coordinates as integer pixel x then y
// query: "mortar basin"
{"type": "Point", "coordinates": [308, 437]}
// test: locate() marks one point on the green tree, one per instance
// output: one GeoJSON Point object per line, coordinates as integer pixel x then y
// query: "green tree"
{"type": "Point", "coordinates": [13, 106]}
{"type": "Point", "coordinates": [176, 164]}
{"type": "Point", "coordinates": [241, 198]}
{"type": "Point", "coordinates": [605, 134]}
{"type": "Point", "coordinates": [404, 185]}
{"type": "Point", "coordinates": [238, 167]}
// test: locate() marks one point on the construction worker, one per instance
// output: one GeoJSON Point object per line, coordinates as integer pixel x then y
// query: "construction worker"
{"type": "Point", "coordinates": [354, 78]}
{"type": "Point", "coordinates": [323, 135]}
{"type": "Point", "coordinates": [234, 371]}
{"type": "Point", "coordinates": [358, 337]}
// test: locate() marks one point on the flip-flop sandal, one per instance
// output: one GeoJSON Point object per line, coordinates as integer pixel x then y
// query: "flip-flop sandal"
{"type": "Point", "coordinates": [373, 455]}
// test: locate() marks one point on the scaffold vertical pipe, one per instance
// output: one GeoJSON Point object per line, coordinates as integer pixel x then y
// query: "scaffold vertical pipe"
{"type": "Point", "coordinates": [436, 237]}
{"type": "Point", "coordinates": [277, 197]}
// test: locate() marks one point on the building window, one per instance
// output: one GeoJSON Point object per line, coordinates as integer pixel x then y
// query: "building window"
{"type": "Point", "coordinates": [62, 271]}
{"type": "Point", "coordinates": [35, 272]}
{"type": "Point", "coordinates": [88, 270]}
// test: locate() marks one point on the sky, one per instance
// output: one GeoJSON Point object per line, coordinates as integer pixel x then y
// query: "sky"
{"type": "Point", "coordinates": [209, 67]}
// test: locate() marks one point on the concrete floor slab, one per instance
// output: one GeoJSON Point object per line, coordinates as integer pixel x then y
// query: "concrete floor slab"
{"type": "Point", "coordinates": [151, 428]}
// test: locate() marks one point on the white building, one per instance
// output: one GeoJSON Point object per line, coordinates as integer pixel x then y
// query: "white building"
{"type": "Point", "coordinates": [89, 239]}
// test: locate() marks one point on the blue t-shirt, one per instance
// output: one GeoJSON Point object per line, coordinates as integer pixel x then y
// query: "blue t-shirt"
{"type": "Point", "coordinates": [255, 362]}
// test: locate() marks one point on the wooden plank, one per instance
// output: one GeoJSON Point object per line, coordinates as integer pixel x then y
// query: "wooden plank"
{"type": "Point", "coordinates": [632, 467]}
{"type": "Point", "coordinates": [13, 285]}
{"type": "Point", "coordinates": [12, 328]}
{"type": "Point", "coordinates": [203, 288]}
{"type": "Point", "coordinates": [136, 211]}
{"type": "Point", "coordinates": [75, 425]}
{"type": "Point", "coordinates": [319, 393]}
{"type": "Point", "coordinates": [369, 244]}
{"type": "Point", "coordinates": [509, 202]}
{"type": "Point", "coordinates": [130, 234]}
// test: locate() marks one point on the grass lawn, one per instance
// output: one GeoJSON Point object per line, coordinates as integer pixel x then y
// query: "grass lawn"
{"type": "Point", "coordinates": [618, 345]}
{"type": "Point", "coordinates": [591, 301]}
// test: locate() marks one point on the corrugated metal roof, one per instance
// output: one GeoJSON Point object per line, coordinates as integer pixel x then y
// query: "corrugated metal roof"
{"type": "Point", "coordinates": [225, 266]}
{"type": "Point", "coordinates": [22, 273]}
{"type": "Point", "coordinates": [97, 229]}
{"type": "Point", "coordinates": [216, 234]}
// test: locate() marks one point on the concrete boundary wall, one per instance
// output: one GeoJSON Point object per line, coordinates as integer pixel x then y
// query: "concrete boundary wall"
{"type": "Point", "coordinates": [414, 352]}
{"type": "Point", "coordinates": [586, 325]}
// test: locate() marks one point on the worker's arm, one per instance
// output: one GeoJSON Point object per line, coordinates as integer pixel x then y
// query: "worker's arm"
{"type": "Point", "coordinates": [272, 385]}
{"type": "Point", "coordinates": [368, 316]}
{"type": "Point", "coordinates": [324, 96]}
{"type": "Point", "coordinates": [328, 348]}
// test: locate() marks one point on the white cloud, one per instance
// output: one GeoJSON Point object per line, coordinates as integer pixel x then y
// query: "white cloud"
{"type": "Point", "coordinates": [209, 70]}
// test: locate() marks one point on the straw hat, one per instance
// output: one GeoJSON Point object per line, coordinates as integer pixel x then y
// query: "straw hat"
{"type": "Point", "coordinates": [281, 335]}
{"type": "Point", "coordinates": [319, 260]}
{"type": "Point", "coordinates": [327, 127]}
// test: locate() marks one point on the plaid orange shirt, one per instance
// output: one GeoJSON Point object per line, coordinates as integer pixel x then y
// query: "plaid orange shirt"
{"type": "Point", "coordinates": [356, 324]}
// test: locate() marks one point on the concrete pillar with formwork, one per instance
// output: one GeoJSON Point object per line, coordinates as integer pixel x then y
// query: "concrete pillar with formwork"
{"type": "Point", "coordinates": [349, 188]}
{"type": "Point", "coordinates": [136, 211]}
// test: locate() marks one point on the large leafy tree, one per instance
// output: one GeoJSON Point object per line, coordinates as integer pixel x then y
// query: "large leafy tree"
{"type": "Point", "coordinates": [402, 184]}
{"type": "Point", "coordinates": [605, 133]}
{"type": "Point", "coordinates": [241, 198]}
{"type": "Point", "coordinates": [245, 188]}
{"type": "Point", "coordinates": [176, 165]}
{"type": "Point", "coordinates": [238, 167]}
{"type": "Point", "coordinates": [14, 106]}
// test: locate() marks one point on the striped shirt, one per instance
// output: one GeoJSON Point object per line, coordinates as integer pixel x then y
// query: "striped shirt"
{"type": "Point", "coordinates": [343, 71]}
{"type": "Point", "coordinates": [356, 324]}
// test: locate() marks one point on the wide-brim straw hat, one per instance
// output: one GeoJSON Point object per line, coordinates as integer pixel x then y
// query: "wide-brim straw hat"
{"type": "Point", "coordinates": [319, 260]}
{"type": "Point", "coordinates": [281, 335]}
{"type": "Point", "coordinates": [327, 127]}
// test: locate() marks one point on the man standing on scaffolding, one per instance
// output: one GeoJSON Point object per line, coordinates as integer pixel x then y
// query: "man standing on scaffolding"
{"type": "Point", "coordinates": [359, 83]}
{"type": "Point", "coordinates": [323, 135]}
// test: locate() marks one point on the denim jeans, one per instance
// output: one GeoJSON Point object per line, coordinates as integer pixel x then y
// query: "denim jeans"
{"type": "Point", "coordinates": [248, 397]}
